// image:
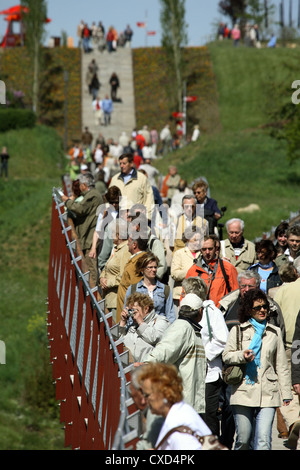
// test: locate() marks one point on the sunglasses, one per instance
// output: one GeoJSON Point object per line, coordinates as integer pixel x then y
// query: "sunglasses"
{"type": "Point", "coordinates": [259, 307]}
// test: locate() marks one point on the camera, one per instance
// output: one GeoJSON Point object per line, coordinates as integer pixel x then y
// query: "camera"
{"type": "Point", "coordinates": [131, 312]}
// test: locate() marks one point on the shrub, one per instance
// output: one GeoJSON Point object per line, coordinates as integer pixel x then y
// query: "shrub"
{"type": "Point", "coordinates": [11, 118]}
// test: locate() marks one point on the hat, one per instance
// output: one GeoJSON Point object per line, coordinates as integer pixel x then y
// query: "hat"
{"type": "Point", "coordinates": [192, 300]}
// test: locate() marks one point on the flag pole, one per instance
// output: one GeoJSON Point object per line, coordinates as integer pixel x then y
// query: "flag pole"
{"type": "Point", "coordinates": [146, 26]}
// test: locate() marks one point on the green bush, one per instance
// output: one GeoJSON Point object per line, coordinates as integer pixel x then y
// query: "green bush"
{"type": "Point", "coordinates": [11, 118]}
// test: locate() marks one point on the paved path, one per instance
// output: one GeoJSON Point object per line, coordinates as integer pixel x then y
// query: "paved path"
{"type": "Point", "coordinates": [123, 116]}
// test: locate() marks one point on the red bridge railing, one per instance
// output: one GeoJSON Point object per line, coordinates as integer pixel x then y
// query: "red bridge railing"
{"type": "Point", "coordinates": [91, 371]}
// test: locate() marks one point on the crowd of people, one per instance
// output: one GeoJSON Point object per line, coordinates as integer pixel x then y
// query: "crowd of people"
{"type": "Point", "coordinates": [96, 36]}
{"type": "Point", "coordinates": [251, 36]}
{"type": "Point", "coordinates": [188, 303]}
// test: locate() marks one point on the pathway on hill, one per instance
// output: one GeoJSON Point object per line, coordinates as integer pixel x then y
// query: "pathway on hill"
{"type": "Point", "coordinates": [123, 116]}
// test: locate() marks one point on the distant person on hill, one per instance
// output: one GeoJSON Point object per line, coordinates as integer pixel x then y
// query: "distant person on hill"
{"type": "Point", "coordinates": [87, 137]}
{"type": "Point", "coordinates": [195, 134]}
{"type": "Point", "coordinates": [166, 139]}
{"type": "Point", "coordinates": [128, 33]}
{"type": "Point", "coordinates": [86, 34]}
{"type": "Point", "coordinates": [114, 85]}
{"type": "Point", "coordinates": [236, 35]}
{"type": "Point", "coordinates": [272, 42]}
{"type": "Point", "coordinates": [4, 162]}
{"type": "Point", "coordinates": [107, 107]}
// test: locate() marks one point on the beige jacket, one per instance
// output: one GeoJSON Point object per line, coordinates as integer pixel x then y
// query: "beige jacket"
{"type": "Point", "coordinates": [137, 190]}
{"type": "Point", "coordinates": [288, 299]}
{"type": "Point", "coordinates": [113, 271]}
{"type": "Point", "coordinates": [182, 226]}
{"type": "Point", "coordinates": [246, 258]}
{"type": "Point", "coordinates": [182, 261]}
{"type": "Point", "coordinates": [273, 383]}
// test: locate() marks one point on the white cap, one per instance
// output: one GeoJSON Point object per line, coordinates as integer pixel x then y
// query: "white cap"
{"type": "Point", "coordinates": [193, 301]}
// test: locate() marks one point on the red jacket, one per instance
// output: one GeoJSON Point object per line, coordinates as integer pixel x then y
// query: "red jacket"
{"type": "Point", "coordinates": [216, 283]}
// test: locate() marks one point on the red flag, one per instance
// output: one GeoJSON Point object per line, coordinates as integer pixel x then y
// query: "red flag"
{"type": "Point", "coordinates": [178, 115]}
{"type": "Point", "coordinates": [141, 25]}
{"type": "Point", "coordinates": [151, 33]}
{"type": "Point", "coordinates": [190, 98]}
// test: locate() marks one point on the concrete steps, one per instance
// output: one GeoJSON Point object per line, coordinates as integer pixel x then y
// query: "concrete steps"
{"type": "Point", "coordinates": [123, 116]}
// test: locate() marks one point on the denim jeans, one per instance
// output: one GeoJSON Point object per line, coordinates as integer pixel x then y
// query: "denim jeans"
{"type": "Point", "coordinates": [253, 427]}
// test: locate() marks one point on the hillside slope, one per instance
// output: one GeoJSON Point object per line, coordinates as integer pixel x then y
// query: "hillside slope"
{"type": "Point", "coordinates": [242, 163]}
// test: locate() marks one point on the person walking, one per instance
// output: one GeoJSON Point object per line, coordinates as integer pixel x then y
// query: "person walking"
{"type": "Point", "coordinates": [4, 162]}
{"type": "Point", "coordinates": [267, 382]}
{"type": "Point", "coordinates": [107, 108]}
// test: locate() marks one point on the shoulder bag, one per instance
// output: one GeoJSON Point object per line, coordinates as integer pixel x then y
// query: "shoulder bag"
{"type": "Point", "coordinates": [233, 375]}
{"type": "Point", "coordinates": [210, 442]}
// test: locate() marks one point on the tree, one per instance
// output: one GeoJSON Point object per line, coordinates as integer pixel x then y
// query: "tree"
{"type": "Point", "coordinates": [174, 37]}
{"type": "Point", "coordinates": [34, 22]}
{"type": "Point", "coordinates": [235, 9]}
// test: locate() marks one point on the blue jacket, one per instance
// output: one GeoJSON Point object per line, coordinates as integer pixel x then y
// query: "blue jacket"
{"type": "Point", "coordinates": [162, 306]}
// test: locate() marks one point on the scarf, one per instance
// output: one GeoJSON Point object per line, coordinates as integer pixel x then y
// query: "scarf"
{"type": "Point", "coordinates": [255, 345]}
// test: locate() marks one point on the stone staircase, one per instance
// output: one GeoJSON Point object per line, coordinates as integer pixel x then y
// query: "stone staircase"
{"type": "Point", "coordinates": [123, 116]}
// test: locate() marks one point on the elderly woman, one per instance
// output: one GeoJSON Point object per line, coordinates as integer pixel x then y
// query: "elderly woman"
{"type": "Point", "coordinates": [147, 328]}
{"type": "Point", "coordinates": [162, 387]}
{"type": "Point", "coordinates": [111, 274]}
{"type": "Point", "coordinates": [266, 267]}
{"type": "Point", "coordinates": [184, 258]}
{"type": "Point", "coordinates": [161, 294]}
{"type": "Point", "coordinates": [267, 383]}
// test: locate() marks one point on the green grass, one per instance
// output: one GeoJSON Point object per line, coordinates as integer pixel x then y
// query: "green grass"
{"type": "Point", "coordinates": [241, 162]}
{"type": "Point", "coordinates": [28, 419]}
{"type": "Point", "coordinates": [244, 79]}
{"type": "Point", "coordinates": [243, 168]}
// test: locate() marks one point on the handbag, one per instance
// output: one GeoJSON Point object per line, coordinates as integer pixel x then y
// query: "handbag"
{"type": "Point", "coordinates": [209, 442]}
{"type": "Point", "coordinates": [233, 375]}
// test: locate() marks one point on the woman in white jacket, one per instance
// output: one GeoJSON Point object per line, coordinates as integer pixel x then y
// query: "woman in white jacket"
{"type": "Point", "coordinates": [147, 328]}
{"type": "Point", "coordinates": [267, 383]}
{"type": "Point", "coordinates": [162, 387]}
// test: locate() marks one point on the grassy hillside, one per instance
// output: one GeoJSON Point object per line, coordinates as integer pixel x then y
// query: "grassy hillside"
{"type": "Point", "coordinates": [242, 163]}
{"type": "Point", "coordinates": [28, 419]}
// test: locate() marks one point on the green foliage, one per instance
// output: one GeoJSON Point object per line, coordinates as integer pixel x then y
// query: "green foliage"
{"type": "Point", "coordinates": [16, 71]}
{"type": "Point", "coordinates": [152, 82]}
{"type": "Point", "coordinates": [28, 412]}
{"type": "Point", "coordinates": [11, 118]}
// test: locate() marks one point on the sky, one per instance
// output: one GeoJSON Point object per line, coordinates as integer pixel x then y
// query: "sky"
{"type": "Point", "coordinates": [65, 15]}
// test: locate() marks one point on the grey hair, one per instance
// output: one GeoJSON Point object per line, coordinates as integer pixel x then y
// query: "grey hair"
{"type": "Point", "coordinates": [87, 179]}
{"type": "Point", "coordinates": [297, 264]}
{"type": "Point", "coordinates": [188, 196]}
{"type": "Point", "coordinates": [249, 274]}
{"type": "Point", "coordinates": [135, 377]}
{"type": "Point", "coordinates": [195, 285]}
{"type": "Point", "coordinates": [231, 221]}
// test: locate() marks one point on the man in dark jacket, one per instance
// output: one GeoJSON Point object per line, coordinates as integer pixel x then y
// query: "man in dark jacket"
{"type": "Point", "coordinates": [83, 214]}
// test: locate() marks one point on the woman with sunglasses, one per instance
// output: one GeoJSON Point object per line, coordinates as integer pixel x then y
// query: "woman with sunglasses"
{"type": "Point", "coordinates": [267, 383]}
